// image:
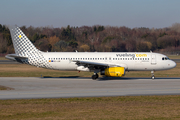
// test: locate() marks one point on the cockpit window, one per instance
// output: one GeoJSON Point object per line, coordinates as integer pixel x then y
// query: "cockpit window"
{"type": "Point", "coordinates": [165, 58]}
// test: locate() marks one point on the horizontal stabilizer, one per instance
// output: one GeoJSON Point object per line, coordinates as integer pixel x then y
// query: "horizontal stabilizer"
{"type": "Point", "coordinates": [14, 57]}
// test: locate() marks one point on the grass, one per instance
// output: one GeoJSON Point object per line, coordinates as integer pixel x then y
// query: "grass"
{"type": "Point", "coordinates": [23, 70]}
{"type": "Point", "coordinates": [3, 58]}
{"type": "Point", "coordinates": [128, 107]}
{"type": "Point", "coordinates": [174, 56]}
{"type": "Point", "coordinates": [5, 88]}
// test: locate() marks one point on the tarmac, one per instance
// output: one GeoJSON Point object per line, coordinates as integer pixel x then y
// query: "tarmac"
{"type": "Point", "coordinates": [34, 87]}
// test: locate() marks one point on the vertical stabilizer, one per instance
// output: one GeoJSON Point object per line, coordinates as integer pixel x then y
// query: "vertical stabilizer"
{"type": "Point", "coordinates": [22, 45]}
{"type": "Point", "coordinates": [25, 50]}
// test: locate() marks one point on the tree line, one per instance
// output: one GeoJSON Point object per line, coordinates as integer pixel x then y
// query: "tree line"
{"type": "Point", "coordinates": [97, 38]}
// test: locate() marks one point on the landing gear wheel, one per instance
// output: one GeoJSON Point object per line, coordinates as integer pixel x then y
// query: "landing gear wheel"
{"type": "Point", "coordinates": [152, 77]}
{"type": "Point", "coordinates": [95, 76]}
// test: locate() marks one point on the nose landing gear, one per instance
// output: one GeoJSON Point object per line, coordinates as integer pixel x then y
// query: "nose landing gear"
{"type": "Point", "coordinates": [152, 75]}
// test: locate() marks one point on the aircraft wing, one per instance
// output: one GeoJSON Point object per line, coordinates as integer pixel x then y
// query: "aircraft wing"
{"type": "Point", "coordinates": [96, 65]}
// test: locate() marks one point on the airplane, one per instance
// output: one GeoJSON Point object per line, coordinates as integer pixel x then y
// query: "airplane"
{"type": "Point", "coordinates": [111, 64]}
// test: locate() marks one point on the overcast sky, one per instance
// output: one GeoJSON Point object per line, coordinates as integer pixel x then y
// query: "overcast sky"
{"type": "Point", "coordinates": [60, 13]}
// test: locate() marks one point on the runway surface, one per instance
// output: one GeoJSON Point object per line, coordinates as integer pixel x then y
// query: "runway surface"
{"type": "Point", "coordinates": [31, 87]}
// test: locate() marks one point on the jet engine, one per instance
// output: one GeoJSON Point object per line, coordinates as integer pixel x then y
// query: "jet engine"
{"type": "Point", "coordinates": [82, 68]}
{"type": "Point", "coordinates": [114, 72]}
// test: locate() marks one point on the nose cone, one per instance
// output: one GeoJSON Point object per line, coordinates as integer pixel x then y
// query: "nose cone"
{"type": "Point", "coordinates": [173, 64]}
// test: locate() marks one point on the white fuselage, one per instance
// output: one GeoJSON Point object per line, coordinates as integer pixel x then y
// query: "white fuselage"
{"type": "Point", "coordinates": [131, 61]}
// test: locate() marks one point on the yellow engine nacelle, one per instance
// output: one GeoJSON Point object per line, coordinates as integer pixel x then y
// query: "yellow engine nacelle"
{"type": "Point", "coordinates": [114, 72]}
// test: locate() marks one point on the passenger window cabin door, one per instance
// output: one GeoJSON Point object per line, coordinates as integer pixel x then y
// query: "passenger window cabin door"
{"type": "Point", "coordinates": [153, 59]}
{"type": "Point", "coordinates": [110, 59]}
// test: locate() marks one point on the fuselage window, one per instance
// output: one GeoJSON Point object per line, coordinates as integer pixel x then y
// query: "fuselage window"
{"type": "Point", "coordinates": [95, 58]}
{"type": "Point", "coordinates": [125, 58]}
{"type": "Point", "coordinates": [140, 58]}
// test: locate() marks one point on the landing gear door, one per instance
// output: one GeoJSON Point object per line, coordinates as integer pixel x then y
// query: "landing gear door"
{"type": "Point", "coordinates": [153, 59]}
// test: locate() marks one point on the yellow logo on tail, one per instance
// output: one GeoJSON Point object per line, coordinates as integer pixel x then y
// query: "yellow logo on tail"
{"type": "Point", "coordinates": [20, 36]}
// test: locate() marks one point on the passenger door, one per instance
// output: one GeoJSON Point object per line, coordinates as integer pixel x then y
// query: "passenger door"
{"type": "Point", "coordinates": [153, 59]}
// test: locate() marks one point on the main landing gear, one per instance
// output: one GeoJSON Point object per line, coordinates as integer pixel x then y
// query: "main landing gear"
{"type": "Point", "coordinates": [152, 75]}
{"type": "Point", "coordinates": [95, 76]}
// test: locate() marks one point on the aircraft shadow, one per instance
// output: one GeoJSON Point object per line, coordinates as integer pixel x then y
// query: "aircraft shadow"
{"type": "Point", "coordinates": [60, 77]}
{"type": "Point", "coordinates": [113, 78]}
{"type": "Point", "coordinates": [133, 78]}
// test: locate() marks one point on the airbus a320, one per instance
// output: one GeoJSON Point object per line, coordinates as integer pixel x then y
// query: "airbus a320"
{"type": "Point", "coordinates": [111, 64]}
